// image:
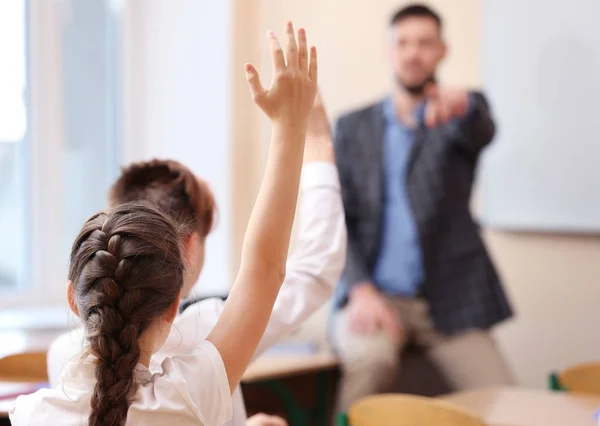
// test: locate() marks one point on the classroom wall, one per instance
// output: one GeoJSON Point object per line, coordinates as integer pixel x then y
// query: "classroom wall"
{"type": "Point", "coordinates": [177, 83]}
{"type": "Point", "coordinates": [550, 279]}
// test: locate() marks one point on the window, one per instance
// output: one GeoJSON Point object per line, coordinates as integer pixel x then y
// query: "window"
{"type": "Point", "coordinates": [13, 147]}
{"type": "Point", "coordinates": [59, 68]}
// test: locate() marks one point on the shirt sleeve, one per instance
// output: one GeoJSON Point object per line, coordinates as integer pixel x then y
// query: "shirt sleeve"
{"type": "Point", "coordinates": [316, 262]}
{"type": "Point", "coordinates": [200, 378]}
{"type": "Point", "coordinates": [476, 129]}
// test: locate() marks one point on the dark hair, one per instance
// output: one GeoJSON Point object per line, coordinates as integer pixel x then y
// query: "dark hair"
{"type": "Point", "coordinates": [127, 269]}
{"type": "Point", "coordinates": [171, 187]}
{"type": "Point", "coordinates": [416, 10]}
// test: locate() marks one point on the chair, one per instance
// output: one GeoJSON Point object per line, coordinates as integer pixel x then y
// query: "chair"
{"type": "Point", "coordinates": [582, 378]}
{"type": "Point", "coordinates": [24, 367]}
{"type": "Point", "coordinates": [407, 410]}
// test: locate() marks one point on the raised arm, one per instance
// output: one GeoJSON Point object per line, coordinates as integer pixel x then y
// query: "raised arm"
{"type": "Point", "coordinates": [477, 128]}
{"type": "Point", "coordinates": [467, 116]}
{"type": "Point", "coordinates": [287, 103]}
{"type": "Point", "coordinates": [317, 260]}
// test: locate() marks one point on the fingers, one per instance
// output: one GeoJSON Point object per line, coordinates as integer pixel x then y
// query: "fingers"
{"type": "Point", "coordinates": [312, 71]}
{"type": "Point", "coordinates": [363, 321]}
{"type": "Point", "coordinates": [356, 324]}
{"type": "Point", "coordinates": [291, 47]}
{"type": "Point", "coordinates": [444, 105]}
{"type": "Point", "coordinates": [462, 104]}
{"type": "Point", "coordinates": [431, 114]}
{"type": "Point", "coordinates": [265, 420]}
{"type": "Point", "coordinates": [302, 51]}
{"type": "Point", "coordinates": [253, 79]}
{"type": "Point", "coordinates": [296, 55]}
{"type": "Point", "coordinates": [368, 323]}
{"type": "Point", "coordinates": [277, 56]}
{"type": "Point", "coordinates": [445, 109]}
{"type": "Point", "coordinates": [389, 323]}
{"type": "Point", "coordinates": [275, 421]}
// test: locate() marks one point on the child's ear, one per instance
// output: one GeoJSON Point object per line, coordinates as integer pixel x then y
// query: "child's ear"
{"type": "Point", "coordinates": [172, 312]}
{"type": "Point", "coordinates": [71, 298]}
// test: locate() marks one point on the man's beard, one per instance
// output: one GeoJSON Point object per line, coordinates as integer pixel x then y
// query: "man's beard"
{"type": "Point", "coordinates": [416, 89]}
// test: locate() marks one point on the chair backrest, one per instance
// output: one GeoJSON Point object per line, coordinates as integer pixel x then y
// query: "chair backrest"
{"type": "Point", "coordinates": [409, 410]}
{"type": "Point", "coordinates": [583, 378]}
{"type": "Point", "coordinates": [24, 367]}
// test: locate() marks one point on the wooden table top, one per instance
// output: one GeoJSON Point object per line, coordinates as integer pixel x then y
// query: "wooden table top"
{"type": "Point", "coordinates": [528, 407]}
{"type": "Point", "coordinates": [22, 341]}
{"type": "Point", "coordinates": [496, 406]}
{"type": "Point", "coordinates": [277, 366]}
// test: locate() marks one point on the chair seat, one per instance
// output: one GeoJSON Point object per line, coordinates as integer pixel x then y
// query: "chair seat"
{"type": "Point", "coordinates": [24, 367]}
{"type": "Point", "coordinates": [409, 410]}
{"type": "Point", "coordinates": [584, 378]}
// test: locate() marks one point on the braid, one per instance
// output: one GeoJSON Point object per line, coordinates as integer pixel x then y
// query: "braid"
{"type": "Point", "coordinates": [112, 337]}
{"type": "Point", "coordinates": [118, 264]}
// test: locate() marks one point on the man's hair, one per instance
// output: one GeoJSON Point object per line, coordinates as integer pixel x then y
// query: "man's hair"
{"type": "Point", "coordinates": [172, 188]}
{"type": "Point", "coordinates": [416, 10]}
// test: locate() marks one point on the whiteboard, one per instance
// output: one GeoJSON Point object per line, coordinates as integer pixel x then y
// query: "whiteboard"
{"type": "Point", "coordinates": [541, 62]}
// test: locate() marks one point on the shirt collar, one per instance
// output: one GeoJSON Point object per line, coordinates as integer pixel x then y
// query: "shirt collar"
{"type": "Point", "coordinates": [391, 117]}
{"type": "Point", "coordinates": [80, 373]}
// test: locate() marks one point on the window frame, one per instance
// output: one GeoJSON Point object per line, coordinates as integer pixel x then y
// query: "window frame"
{"type": "Point", "coordinates": [47, 269]}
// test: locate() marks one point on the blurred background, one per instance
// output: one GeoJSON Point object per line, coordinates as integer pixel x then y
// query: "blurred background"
{"type": "Point", "coordinates": [89, 85]}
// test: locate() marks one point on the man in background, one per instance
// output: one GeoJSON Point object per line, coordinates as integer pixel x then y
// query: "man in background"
{"type": "Point", "coordinates": [417, 270]}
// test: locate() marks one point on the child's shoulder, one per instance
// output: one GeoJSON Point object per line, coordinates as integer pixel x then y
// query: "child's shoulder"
{"type": "Point", "coordinates": [198, 379]}
{"type": "Point", "coordinates": [202, 360]}
{"type": "Point", "coordinates": [44, 405]}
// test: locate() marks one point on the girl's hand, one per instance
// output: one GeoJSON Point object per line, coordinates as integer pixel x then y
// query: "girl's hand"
{"type": "Point", "coordinates": [290, 98]}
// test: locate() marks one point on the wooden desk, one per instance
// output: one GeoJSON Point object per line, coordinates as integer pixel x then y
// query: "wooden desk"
{"type": "Point", "coordinates": [269, 367]}
{"type": "Point", "coordinates": [20, 341]}
{"type": "Point", "coordinates": [23, 354]}
{"type": "Point", "coordinates": [266, 369]}
{"type": "Point", "coordinates": [524, 407]}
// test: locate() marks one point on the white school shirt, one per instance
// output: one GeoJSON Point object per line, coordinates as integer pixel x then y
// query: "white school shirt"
{"type": "Point", "coordinates": [313, 268]}
{"type": "Point", "coordinates": [168, 397]}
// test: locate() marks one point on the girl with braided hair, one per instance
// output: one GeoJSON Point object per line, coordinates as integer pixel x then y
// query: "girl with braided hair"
{"type": "Point", "coordinates": [126, 276]}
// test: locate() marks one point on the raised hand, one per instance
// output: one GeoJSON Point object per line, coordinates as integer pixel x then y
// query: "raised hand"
{"type": "Point", "coordinates": [290, 97]}
{"type": "Point", "coordinates": [288, 103]}
{"type": "Point", "coordinates": [318, 123]}
{"type": "Point", "coordinates": [265, 420]}
{"type": "Point", "coordinates": [444, 104]}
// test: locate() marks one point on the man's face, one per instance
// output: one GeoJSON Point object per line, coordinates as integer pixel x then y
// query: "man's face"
{"type": "Point", "coordinates": [416, 48]}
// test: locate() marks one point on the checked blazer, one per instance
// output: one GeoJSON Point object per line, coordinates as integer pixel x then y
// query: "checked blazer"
{"type": "Point", "coordinates": [461, 285]}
